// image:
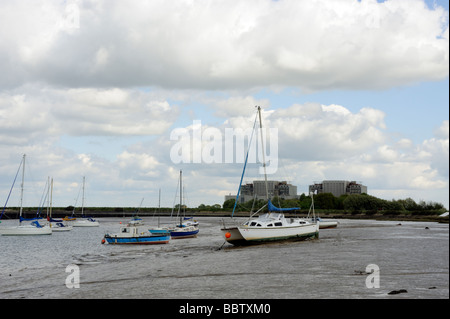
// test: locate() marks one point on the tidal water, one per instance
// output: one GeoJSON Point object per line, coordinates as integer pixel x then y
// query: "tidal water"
{"type": "Point", "coordinates": [413, 256]}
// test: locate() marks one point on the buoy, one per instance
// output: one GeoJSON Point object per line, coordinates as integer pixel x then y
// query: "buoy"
{"type": "Point", "coordinates": [103, 240]}
{"type": "Point", "coordinates": [120, 222]}
{"type": "Point", "coordinates": [227, 235]}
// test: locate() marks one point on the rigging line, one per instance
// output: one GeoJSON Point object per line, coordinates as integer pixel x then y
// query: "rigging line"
{"type": "Point", "coordinates": [18, 170]}
{"type": "Point", "coordinates": [44, 196]}
{"type": "Point", "coordinates": [175, 198]}
{"type": "Point", "coordinates": [263, 152]}
{"type": "Point", "coordinates": [76, 200]}
{"type": "Point", "coordinates": [245, 164]}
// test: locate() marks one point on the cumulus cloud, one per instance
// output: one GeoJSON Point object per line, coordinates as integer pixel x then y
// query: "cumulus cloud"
{"type": "Point", "coordinates": [218, 45]}
{"type": "Point", "coordinates": [318, 132]}
{"type": "Point", "coordinates": [41, 113]}
{"type": "Point", "coordinates": [390, 171]}
{"type": "Point", "coordinates": [132, 71]}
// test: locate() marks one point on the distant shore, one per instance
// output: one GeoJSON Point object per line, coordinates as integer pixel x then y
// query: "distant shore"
{"type": "Point", "coordinates": [101, 212]}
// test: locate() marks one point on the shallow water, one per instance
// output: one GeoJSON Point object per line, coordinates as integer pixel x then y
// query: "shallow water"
{"type": "Point", "coordinates": [409, 257]}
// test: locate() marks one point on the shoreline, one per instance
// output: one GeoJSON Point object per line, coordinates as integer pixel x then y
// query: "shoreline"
{"type": "Point", "coordinates": [105, 213]}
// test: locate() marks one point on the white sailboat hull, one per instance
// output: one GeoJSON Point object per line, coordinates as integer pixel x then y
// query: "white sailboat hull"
{"type": "Point", "coordinates": [328, 224]}
{"type": "Point", "coordinates": [244, 235]}
{"type": "Point", "coordinates": [85, 223]}
{"type": "Point", "coordinates": [61, 229]}
{"type": "Point", "coordinates": [25, 230]}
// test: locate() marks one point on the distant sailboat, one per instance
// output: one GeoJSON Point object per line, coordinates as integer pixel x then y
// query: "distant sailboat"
{"type": "Point", "coordinates": [323, 224]}
{"type": "Point", "coordinates": [34, 228]}
{"type": "Point", "coordinates": [135, 219]}
{"type": "Point", "coordinates": [183, 229]}
{"type": "Point", "coordinates": [59, 224]}
{"type": "Point", "coordinates": [272, 226]}
{"type": "Point", "coordinates": [85, 221]}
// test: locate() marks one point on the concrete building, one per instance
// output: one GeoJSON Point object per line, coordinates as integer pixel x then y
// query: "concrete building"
{"type": "Point", "coordinates": [338, 187]}
{"type": "Point", "coordinates": [257, 190]}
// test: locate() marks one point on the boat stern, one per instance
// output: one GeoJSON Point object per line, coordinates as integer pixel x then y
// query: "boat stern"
{"type": "Point", "coordinates": [232, 235]}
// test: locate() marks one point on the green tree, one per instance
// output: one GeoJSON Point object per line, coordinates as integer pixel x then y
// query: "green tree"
{"type": "Point", "coordinates": [325, 201]}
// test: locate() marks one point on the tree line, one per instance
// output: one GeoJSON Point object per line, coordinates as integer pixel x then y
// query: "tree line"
{"type": "Point", "coordinates": [354, 203]}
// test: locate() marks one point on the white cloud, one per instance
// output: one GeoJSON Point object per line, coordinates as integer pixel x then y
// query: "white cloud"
{"type": "Point", "coordinates": [43, 113]}
{"type": "Point", "coordinates": [110, 75]}
{"type": "Point", "coordinates": [318, 132]}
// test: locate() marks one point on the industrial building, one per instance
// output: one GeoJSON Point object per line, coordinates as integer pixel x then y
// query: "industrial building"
{"type": "Point", "coordinates": [338, 187]}
{"type": "Point", "coordinates": [257, 190]}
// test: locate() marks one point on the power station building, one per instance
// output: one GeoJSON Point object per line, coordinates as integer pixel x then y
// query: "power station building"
{"type": "Point", "coordinates": [338, 187]}
{"type": "Point", "coordinates": [257, 189]}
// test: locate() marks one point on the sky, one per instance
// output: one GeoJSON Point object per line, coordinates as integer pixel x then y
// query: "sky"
{"type": "Point", "coordinates": [128, 93]}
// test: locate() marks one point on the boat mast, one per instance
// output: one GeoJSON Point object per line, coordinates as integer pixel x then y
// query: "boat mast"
{"type": "Point", "coordinates": [21, 188]}
{"type": "Point", "coordinates": [82, 199]}
{"type": "Point", "coordinates": [245, 165]}
{"type": "Point", "coordinates": [48, 195]}
{"type": "Point", "coordinates": [263, 153]}
{"type": "Point", "coordinates": [181, 196]}
{"type": "Point", "coordinates": [159, 204]}
{"type": "Point", "coordinates": [51, 201]}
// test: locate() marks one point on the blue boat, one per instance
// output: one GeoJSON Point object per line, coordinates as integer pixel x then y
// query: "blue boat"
{"type": "Point", "coordinates": [132, 235]}
{"type": "Point", "coordinates": [188, 229]}
{"type": "Point", "coordinates": [183, 231]}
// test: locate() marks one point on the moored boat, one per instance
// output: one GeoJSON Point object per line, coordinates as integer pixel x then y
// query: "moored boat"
{"type": "Point", "coordinates": [85, 221]}
{"type": "Point", "coordinates": [183, 231]}
{"type": "Point", "coordinates": [324, 224]}
{"type": "Point", "coordinates": [188, 229]}
{"type": "Point", "coordinates": [34, 228]}
{"type": "Point", "coordinates": [271, 226]}
{"type": "Point", "coordinates": [130, 234]}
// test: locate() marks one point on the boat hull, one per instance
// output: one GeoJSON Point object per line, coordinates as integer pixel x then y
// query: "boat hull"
{"type": "Point", "coordinates": [25, 230]}
{"type": "Point", "coordinates": [85, 223]}
{"type": "Point", "coordinates": [142, 240]}
{"type": "Point", "coordinates": [243, 235]}
{"type": "Point", "coordinates": [61, 229]}
{"type": "Point", "coordinates": [324, 225]}
{"type": "Point", "coordinates": [158, 231]}
{"type": "Point", "coordinates": [183, 234]}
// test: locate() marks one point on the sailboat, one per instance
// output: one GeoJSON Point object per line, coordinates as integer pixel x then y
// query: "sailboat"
{"type": "Point", "coordinates": [135, 219]}
{"type": "Point", "coordinates": [34, 228]}
{"type": "Point", "coordinates": [271, 226]}
{"type": "Point", "coordinates": [88, 221]}
{"type": "Point", "coordinates": [60, 225]}
{"type": "Point", "coordinates": [323, 223]}
{"type": "Point", "coordinates": [183, 229]}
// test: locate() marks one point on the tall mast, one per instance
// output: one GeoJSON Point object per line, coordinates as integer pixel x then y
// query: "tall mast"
{"type": "Point", "coordinates": [48, 195]}
{"type": "Point", "coordinates": [159, 204]}
{"type": "Point", "coordinates": [159, 200]}
{"type": "Point", "coordinates": [51, 201]}
{"type": "Point", "coordinates": [21, 187]}
{"type": "Point", "coordinates": [245, 165]}
{"type": "Point", "coordinates": [181, 196]}
{"type": "Point", "coordinates": [263, 152]}
{"type": "Point", "coordinates": [82, 200]}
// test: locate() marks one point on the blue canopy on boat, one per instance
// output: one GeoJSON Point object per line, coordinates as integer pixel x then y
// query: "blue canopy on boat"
{"type": "Point", "coordinates": [21, 219]}
{"type": "Point", "coordinates": [36, 224]}
{"type": "Point", "coordinates": [273, 208]}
